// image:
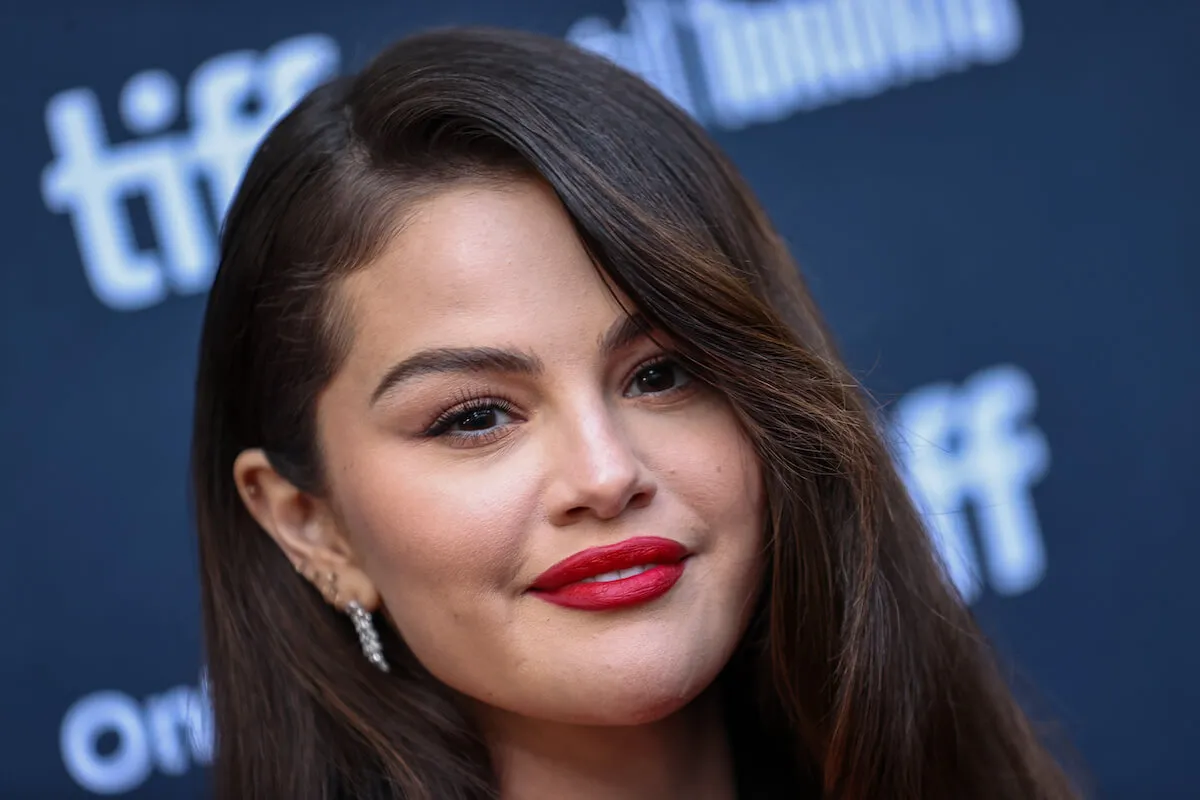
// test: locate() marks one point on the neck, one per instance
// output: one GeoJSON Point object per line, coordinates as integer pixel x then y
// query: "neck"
{"type": "Point", "coordinates": [686, 755]}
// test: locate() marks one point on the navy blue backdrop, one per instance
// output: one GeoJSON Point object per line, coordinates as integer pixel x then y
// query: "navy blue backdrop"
{"type": "Point", "coordinates": [995, 201]}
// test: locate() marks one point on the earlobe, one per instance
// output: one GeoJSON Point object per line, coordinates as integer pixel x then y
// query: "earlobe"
{"type": "Point", "coordinates": [342, 586]}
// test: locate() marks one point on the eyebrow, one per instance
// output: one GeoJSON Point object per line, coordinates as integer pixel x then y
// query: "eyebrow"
{"type": "Point", "coordinates": [622, 333]}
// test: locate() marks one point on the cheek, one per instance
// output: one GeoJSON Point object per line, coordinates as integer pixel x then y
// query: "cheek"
{"type": "Point", "coordinates": [435, 541]}
{"type": "Point", "coordinates": [712, 467]}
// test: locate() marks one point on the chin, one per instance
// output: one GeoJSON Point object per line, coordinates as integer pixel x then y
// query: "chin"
{"type": "Point", "coordinates": [637, 693]}
{"type": "Point", "coordinates": [630, 711]}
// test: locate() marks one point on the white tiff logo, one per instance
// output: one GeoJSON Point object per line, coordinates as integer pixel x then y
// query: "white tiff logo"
{"type": "Point", "coordinates": [962, 445]}
{"type": "Point", "coordinates": [232, 100]}
{"type": "Point", "coordinates": [974, 447]}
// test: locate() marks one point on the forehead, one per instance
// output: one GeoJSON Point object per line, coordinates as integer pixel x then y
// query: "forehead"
{"type": "Point", "coordinates": [479, 265]}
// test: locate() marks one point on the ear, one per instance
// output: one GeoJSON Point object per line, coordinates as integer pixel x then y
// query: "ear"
{"type": "Point", "coordinates": [306, 530]}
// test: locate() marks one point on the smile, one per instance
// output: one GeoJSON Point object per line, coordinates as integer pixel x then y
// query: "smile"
{"type": "Point", "coordinates": [616, 576]}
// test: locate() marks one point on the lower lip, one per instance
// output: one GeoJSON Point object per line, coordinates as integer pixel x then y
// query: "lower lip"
{"type": "Point", "coordinates": [621, 593]}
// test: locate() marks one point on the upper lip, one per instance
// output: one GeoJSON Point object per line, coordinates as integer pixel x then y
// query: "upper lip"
{"type": "Point", "coordinates": [595, 561]}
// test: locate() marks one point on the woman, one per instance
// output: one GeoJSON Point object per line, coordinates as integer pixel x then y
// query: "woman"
{"type": "Point", "coordinates": [525, 468]}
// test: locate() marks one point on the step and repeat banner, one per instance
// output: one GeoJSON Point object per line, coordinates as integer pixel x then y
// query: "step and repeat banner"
{"type": "Point", "coordinates": [995, 202]}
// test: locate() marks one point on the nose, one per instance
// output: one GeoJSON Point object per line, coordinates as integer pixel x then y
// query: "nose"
{"type": "Point", "coordinates": [595, 469]}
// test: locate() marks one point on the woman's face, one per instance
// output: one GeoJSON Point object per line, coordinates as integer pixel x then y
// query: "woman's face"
{"type": "Point", "coordinates": [498, 414]}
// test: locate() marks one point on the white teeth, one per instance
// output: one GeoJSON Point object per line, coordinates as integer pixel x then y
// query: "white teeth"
{"type": "Point", "coordinates": [617, 575]}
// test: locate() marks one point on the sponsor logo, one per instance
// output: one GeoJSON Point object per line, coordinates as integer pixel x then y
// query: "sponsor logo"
{"type": "Point", "coordinates": [168, 732]}
{"type": "Point", "coordinates": [732, 63]}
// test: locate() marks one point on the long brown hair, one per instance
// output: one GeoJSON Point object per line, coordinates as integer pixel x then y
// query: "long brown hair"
{"type": "Point", "coordinates": [863, 674]}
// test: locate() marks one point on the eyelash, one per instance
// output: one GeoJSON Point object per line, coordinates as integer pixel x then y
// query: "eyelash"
{"type": "Point", "coordinates": [470, 403]}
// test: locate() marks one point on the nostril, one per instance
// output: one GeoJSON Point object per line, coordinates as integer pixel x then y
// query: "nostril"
{"type": "Point", "coordinates": [640, 499]}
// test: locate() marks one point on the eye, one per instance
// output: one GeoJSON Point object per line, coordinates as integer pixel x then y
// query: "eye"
{"type": "Point", "coordinates": [658, 377]}
{"type": "Point", "coordinates": [477, 419]}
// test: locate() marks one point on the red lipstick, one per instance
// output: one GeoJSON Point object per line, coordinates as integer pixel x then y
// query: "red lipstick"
{"type": "Point", "coordinates": [658, 564]}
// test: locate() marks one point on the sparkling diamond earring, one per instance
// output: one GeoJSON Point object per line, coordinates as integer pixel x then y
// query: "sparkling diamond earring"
{"type": "Point", "coordinates": [368, 637]}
